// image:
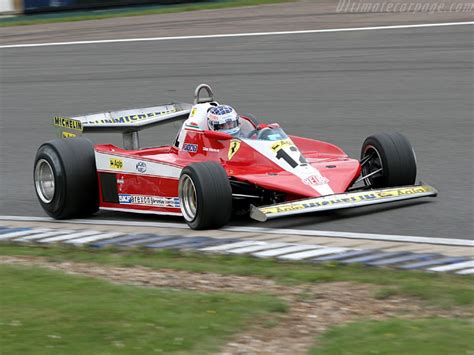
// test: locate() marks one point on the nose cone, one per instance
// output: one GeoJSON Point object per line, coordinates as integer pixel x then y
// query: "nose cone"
{"type": "Point", "coordinates": [282, 182]}
{"type": "Point", "coordinates": [337, 177]}
{"type": "Point", "coordinates": [280, 166]}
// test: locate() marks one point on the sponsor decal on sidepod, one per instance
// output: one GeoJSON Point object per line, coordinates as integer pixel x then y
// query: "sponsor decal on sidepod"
{"type": "Point", "coordinates": [158, 201]}
{"type": "Point", "coordinates": [141, 167]}
{"type": "Point", "coordinates": [124, 199]}
{"type": "Point", "coordinates": [192, 148]}
{"type": "Point", "coordinates": [116, 163]}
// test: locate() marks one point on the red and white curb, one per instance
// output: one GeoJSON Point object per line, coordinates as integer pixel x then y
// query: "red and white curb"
{"type": "Point", "coordinates": [227, 244]}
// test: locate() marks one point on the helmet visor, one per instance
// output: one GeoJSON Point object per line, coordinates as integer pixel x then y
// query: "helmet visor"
{"type": "Point", "coordinates": [228, 124]}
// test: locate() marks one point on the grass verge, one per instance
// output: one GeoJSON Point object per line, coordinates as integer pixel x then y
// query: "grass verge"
{"type": "Point", "coordinates": [73, 16]}
{"type": "Point", "coordinates": [421, 336]}
{"type": "Point", "coordinates": [49, 312]}
{"type": "Point", "coordinates": [440, 289]}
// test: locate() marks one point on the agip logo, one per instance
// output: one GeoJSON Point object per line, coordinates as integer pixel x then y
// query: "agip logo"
{"type": "Point", "coordinates": [116, 164]}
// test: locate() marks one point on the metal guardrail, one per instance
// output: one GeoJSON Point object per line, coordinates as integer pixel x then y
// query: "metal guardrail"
{"type": "Point", "coordinates": [37, 6]}
{"type": "Point", "coordinates": [44, 6]}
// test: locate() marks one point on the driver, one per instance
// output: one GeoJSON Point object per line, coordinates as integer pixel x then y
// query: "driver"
{"type": "Point", "coordinates": [223, 118]}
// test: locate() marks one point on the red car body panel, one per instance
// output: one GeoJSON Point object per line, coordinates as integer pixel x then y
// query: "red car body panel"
{"type": "Point", "coordinates": [247, 165]}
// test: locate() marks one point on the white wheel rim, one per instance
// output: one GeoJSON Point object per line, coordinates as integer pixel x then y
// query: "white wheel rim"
{"type": "Point", "coordinates": [44, 181]}
{"type": "Point", "coordinates": [368, 150]}
{"type": "Point", "coordinates": [188, 198]}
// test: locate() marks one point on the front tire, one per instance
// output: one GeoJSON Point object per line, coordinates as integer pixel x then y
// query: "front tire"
{"type": "Point", "coordinates": [388, 160]}
{"type": "Point", "coordinates": [65, 178]}
{"type": "Point", "coordinates": [205, 195]}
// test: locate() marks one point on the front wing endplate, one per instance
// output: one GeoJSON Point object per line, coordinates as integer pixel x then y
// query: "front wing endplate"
{"type": "Point", "coordinates": [340, 201]}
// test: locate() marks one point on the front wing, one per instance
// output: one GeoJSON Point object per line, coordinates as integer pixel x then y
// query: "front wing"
{"type": "Point", "coordinates": [340, 201]}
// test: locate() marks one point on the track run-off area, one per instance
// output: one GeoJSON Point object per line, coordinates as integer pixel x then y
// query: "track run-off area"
{"type": "Point", "coordinates": [339, 85]}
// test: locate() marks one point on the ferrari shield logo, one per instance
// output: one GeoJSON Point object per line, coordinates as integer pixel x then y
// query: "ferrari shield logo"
{"type": "Point", "coordinates": [233, 148]}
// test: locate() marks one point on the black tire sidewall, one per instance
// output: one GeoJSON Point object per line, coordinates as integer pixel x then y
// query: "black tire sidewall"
{"type": "Point", "coordinates": [213, 194]}
{"type": "Point", "coordinates": [56, 206]}
{"type": "Point", "coordinates": [76, 185]}
{"type": "Point", "coordinates": [397, 156]}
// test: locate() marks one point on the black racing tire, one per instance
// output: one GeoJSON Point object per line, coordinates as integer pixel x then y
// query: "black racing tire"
{"type": "Point", "coordinates": [75, 188]}
{"type": "Point", "coordinates": [394, 154]}
{"type": "Point", "coordinates": [205, 195]}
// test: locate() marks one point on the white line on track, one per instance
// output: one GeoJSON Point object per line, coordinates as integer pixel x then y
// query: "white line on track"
{"type": "Point", "coordinates": [69, 236]}
{"type": "Point", "coordinates": [353, 235]}
{"type": "Point", "coordinates": [48, 234]}
{"type": "Point", "coordinates": [227, 35]}
{"type": "Point", "coordinates": [22, 233]}
{"type": "Point", "coordinates": [93, 238]}
{"type": "Point", "coordinates": [230, 246]}
{"type": "Point", "coordinates": [451, 267]}
{"type": "Point", "coordinates": [313, 253]}
{"type": "Point", "coordinates": [299, 232]}
{"type": "Point", "coordinates": [466, 272]}
{"type": "Point", "coordinates": [255, 248]}
{"type": "Point", "coordinates": [286, 250]}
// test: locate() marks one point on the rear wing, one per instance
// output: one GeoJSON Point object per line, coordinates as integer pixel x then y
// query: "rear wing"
{"type": "Point", "coordinates": [127, 122]}
{"type": "Point", "coordinates": [130, 122]}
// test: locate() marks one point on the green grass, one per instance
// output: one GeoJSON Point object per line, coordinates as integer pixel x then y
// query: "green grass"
{"type": "Point", "coordinates": [422, 336]}
{"type": "Point", "coordinates": [49, 312]}
{"type": "Point", "coordinates": [441, 289]}
{"type": "Point", "coordinates": [72, 16]}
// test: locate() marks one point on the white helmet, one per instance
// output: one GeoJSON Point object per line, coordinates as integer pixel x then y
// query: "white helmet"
{"type": "Point", "coordinates": [223, 118]}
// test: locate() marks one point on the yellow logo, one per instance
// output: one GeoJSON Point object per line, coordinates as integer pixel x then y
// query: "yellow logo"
{"type": "Point", "coordinates": [281, 144]}
{"type": "Point", "coordinates": [67, 123]}
{"type": "Point", "coordinates": [116, 163]}
{"type": "Point", "coordinates": [68, 135]}
{"type": "Point", "coordinates": [355, 197]}
{"type": "Point", "coordinates": [193, 112]}
{"type": "Point", "coordinates": [233, 148]}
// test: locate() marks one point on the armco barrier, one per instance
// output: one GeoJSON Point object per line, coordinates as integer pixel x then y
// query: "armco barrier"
{"type": "Point", "coordinates": [36, 6]}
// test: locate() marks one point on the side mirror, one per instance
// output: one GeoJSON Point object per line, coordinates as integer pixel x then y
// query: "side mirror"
{"type": "Point", "coordinates": [221, 136]}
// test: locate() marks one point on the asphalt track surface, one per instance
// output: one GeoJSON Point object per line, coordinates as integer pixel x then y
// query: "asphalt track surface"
{"type": "Point", "coordinates": [299, 15]}
{"type": "Point", "coordinates": [339, 87]}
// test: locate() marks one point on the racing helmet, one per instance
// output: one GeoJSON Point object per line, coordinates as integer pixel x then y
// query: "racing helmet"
{"type": "Point", "coordinates": [223, 118]}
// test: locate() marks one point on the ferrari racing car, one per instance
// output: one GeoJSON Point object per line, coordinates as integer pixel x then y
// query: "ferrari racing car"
{"type": "Point", "coordinates": [205, 175]}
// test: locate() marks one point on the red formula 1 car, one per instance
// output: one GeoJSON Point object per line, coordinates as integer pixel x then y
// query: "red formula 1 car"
{"type": "Point", "coordinates": [206, 175]}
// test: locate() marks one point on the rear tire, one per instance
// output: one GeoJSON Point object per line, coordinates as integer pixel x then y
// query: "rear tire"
{"type": "Point", "coordinates": [394, 155]}
{"type": "Point", "coordinates": [65, 178]}
{"type": "Point", "coordinates": [205, 195]}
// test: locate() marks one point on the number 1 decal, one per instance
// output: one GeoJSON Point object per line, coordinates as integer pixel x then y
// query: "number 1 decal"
{"type": "Point", "coordinates": [281, 154]}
